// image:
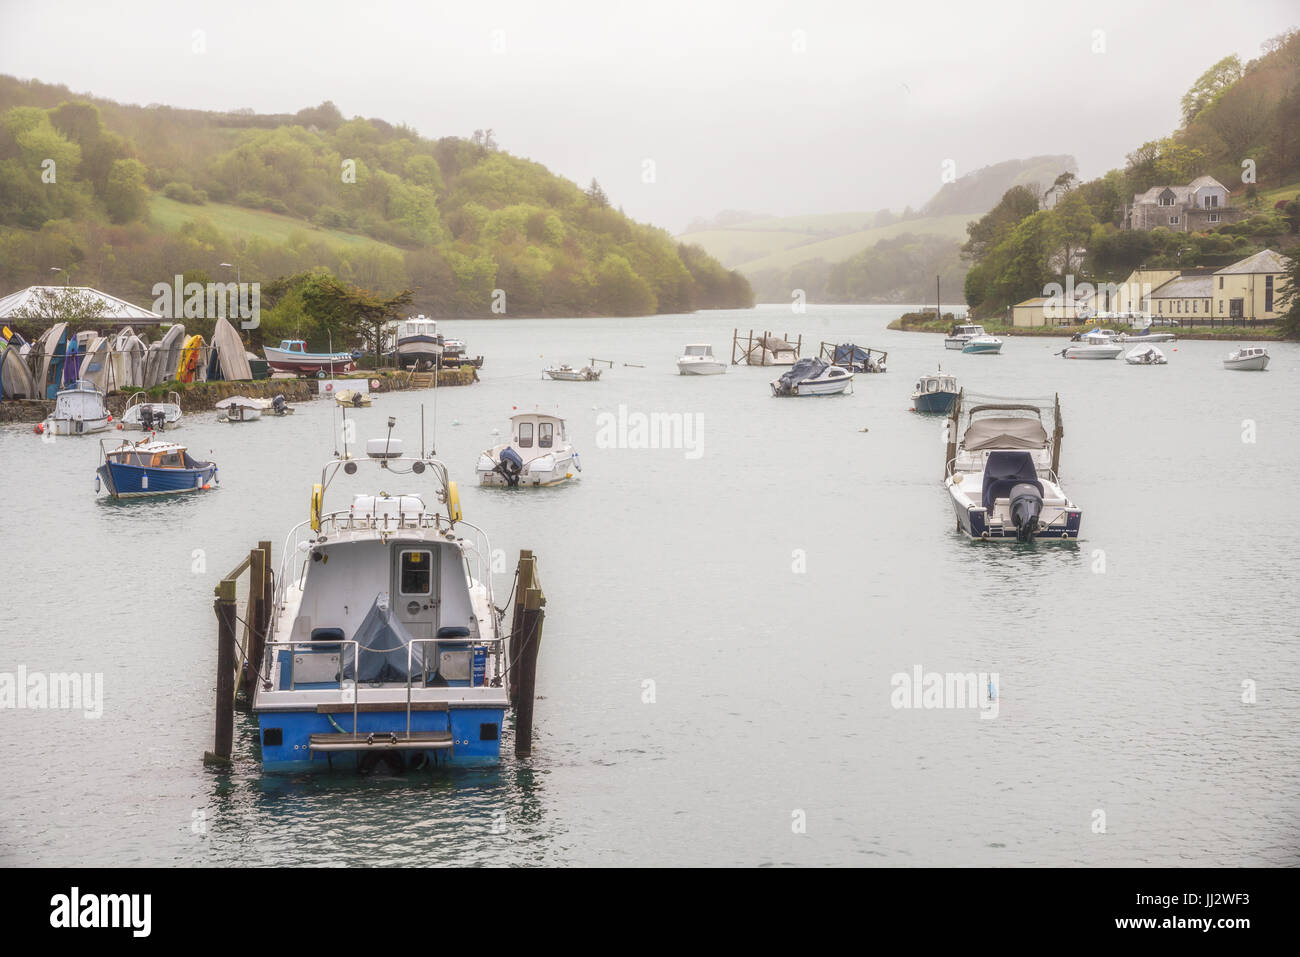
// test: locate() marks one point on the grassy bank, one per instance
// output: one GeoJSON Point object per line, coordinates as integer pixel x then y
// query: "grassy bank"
{"type": "Point", "coordinates": [926, 322]}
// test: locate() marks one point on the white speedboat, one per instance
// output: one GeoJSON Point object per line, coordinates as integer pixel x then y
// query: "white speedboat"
{"type": "Point", "coordinates": [78, 410]}
{"type": "Point", "coordinates": [1145, 356]}
{"type": "Point", "coordinates": [961, 334]}
{"type": "Point", "coordinates": [150, 415]}
{"type": "Point", "coordinates": [1097, 344]}
{"type": "Point", "coordinates": [1248, 359]}
{"type": "Point", "coordinates": [384, 645]}
{"type": "Point", "coordinates": [699, 360]}
{"type": "Point", "coordinates": [566, 373]}
{"type": "Point", "coordinates": [1146, 335]}
{"type": "Point", "coordinates": [1001, 470]}
{"type": "Point", "coordinates": [809, 376]}
{"type": "Point", "coordinates": [240, 408]}
{"type": "Point", "coordinates": [982, 345]}
{"type": "Point", "coordinates": [538, 454]}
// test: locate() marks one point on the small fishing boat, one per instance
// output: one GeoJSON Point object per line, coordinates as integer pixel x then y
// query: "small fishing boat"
{"type": "Point", "coordinates": [962, 333]}
{"type": "Point", "coordinates": [810, 376]}
{"type": "Point", "coordinates": [384, 647]}
{"type": "Point", "coordinates": [139, 469]}
{"type": "Point", "coordinates": [538, 454]}
{"type": "Point", "coordinates": [150, 415]}
{"type": "Point", "coordinates": [935, 392]}
{"type": "Point", "coordinates": [566, 373]}
{"type": "Point", "coordinates": [240, 408]}
{"type": "Point", "coordinates": [292, 356]}
{"type": "Point", "coordinates": [1096, 344]}
{"type": "Point", "coordinates": [1001, 470]}
{"type": "Point", "coordinates": [1145, 356]}
{"type": "Point", "coordinates": [453, 354]}
{"type": "Point", "coordinates": [1247, 359]}
{"type": "Point", "coordinates": [417, 343]}
{"type": "Point", "coordinates": [699, 360]}
{"type": "Point", "coordinates": [78, 410]}
{"type": "Point", "coordinates": [352, 399]}
{"type": "Point", "coordinates": [982, 345]}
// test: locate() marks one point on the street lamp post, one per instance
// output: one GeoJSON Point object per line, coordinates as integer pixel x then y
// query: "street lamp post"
{"type": "Point", "coordinates": [235, 267]}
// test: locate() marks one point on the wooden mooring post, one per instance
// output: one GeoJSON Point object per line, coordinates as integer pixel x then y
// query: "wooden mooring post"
{"type": "Point", "coordinates": [525, 642]}
{"type": "Point", "coordinates": [236, 664]}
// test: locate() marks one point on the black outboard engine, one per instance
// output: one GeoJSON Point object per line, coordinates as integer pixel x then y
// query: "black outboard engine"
{"type": "Point", "coordinates": [1026, 506]}
{"type": "Point", "coordinates": [146, 418]}
{"type": "Point", "coordinates": [509, 465]}
{"type": "Point", "coordinates": [278, 405]}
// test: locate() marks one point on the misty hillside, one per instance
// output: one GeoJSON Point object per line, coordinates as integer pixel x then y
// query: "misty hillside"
{"type": "Point", "coordinates": [126, 196]}
{"type": "Point", "coordinates": [978, 192]}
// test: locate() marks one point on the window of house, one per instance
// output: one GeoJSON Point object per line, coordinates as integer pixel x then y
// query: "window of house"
{"type": "Point", "coordinates": [1196, 306]}
{"type": "Point", "coordinates": [1214, 217]}
{"type": "Point", "coordinates": [1212, 201]}
{"type": "Point", "coordinates": [525, 435]}
{"type": "Point", "coordinates": [1220, 282]}
{"type": "Point", "coordinates": [1220, 307]}
{"type": "Point", "coordinates": [1268, 293]}
{"type": "Point", "coordinates": [1173, 220]}
{"type": "Point", "coordinates": [545, 435]}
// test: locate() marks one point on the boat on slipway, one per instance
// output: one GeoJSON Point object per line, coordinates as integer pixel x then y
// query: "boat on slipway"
{"type": "Point", "coordinates": [384, 647]}
{"type": "Point", "coordinates": [1001, 470]}
{"type": "Point", "coordinates": [292, 356]}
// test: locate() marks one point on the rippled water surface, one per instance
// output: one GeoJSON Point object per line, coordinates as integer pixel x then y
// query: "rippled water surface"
{"type": "Point", "coordinates": [1121, 659]}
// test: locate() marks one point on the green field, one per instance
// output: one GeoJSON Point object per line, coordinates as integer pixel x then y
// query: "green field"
{"type": "Point", "coordinates": [236, 221]}
{"type": "Point", "coordinates": [1271, 196]}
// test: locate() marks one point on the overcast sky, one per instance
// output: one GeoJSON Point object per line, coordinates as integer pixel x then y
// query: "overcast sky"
{"type": "Point", "coordinates": [783, 108]}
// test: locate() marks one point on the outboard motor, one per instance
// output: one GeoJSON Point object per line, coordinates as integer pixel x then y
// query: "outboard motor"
{"type": "Point", "coordinates": [509, 465]}
{"type": "Point", "coordinates": [146, 418]}
{"type": "Point", "coordinates": [1026, 506]}
{"type": "Point", "coordinates": [278, 405]}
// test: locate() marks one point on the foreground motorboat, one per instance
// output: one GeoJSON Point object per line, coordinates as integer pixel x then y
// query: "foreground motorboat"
{"type": "Point", "coordinates": [1097, 344]}
{"type": "Point", "coordinates": [935, 392]}
{"type": "Point", "coordinates": [538, 454]}
{"type": "Point", "coordinates": [144, 468]}
{"type": "Point", "coordinates": [78, 410]}
{"type": "Point", "coordinates": [699, 360]}
{"type": "Point", "coordinates": [292, 356]}
{"type": "Point", "coordinates": [240, 408]}
{"type": "Point", "coordinates": [1247, 359]}
{"type": "Point", "coordinates": [982, 345]}
{"type": "Point", "coordinates": [1001, 470]}
{"type": "Point", "coordinates": [809, 376]}
{"type": "Point", "coordinates": [961, 334]}
{"type": "Point", "coordinates": [384, 646]}
{"type": "Point", "coordinates": [566, 373]}
{"type": "Point", "coordinates": [1145, 356]}
{"type": "Point", "coordinates": [150, 415]}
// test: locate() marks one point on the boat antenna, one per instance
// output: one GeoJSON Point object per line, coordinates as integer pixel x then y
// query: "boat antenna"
{"type": "Point", "coordinates": [392, 421]}
{"type": "Point", "coordinates": [421, 430]}
{"type": "Point", "coordinates": [344, 412]}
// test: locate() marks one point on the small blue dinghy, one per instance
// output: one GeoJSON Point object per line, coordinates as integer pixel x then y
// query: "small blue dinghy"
{"type": "Point", "coordinates": [138, 469]}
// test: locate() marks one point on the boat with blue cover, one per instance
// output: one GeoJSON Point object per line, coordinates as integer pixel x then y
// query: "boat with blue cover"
{"type": "Point", "coordinates": [385, 647]}
{"type": "Point", "coordinates": [140, 469]}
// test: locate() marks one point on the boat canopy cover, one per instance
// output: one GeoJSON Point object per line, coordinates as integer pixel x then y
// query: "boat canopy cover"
{"type": "Point", "coordinates": [1004, 471]}
{"type": "Point", "coordinates": [383, 641]}
{"type": "Point", "coordinates": [805, 368]}
{"type": "Point", "coordinates": [1004, 433]}
{"type": "Point", "coordinates": [849, 352]}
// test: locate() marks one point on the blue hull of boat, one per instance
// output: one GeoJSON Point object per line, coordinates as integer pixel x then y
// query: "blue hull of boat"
{"type": "Point", "coordinates": [934, 402]}
{"type": "Point", "coordinates": [134, 481]}
{"type": "Point", "coordinates": [476, 734]}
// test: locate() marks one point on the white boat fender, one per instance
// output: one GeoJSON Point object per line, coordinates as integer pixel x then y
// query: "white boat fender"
{"type": "Point", "coordinates": [96, 483]}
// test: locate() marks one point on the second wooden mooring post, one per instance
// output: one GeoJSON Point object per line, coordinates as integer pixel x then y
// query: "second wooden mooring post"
{"type": "Point", "coordinates": [223, 740]}
{"type": "Point", "coordinates": [533, 615]}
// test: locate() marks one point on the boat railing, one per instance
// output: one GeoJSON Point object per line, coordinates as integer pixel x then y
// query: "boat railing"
{"type": "Point", "coordinates": [410, 660]}
{"type": "Point", "coordinates": [356, 663]}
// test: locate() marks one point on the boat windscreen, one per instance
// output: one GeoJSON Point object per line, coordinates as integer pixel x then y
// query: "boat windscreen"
{"type": "Point", "coordinates": [1004, 433]}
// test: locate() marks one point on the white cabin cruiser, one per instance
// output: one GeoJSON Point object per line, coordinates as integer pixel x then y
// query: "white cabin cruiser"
{"type": "Point", "coordinates": [566, 373]}
{"type": "Point", "coordinates": [1001, 470]}
{"type": "Point", "coordinates": [1145, 356]}
{"type": "Point", "coordinates": [1096, 344]}
{"type": "Point", "coordinates": [150, 415]}
{"type": "Point", "coordinates": [809, 376]}
{"type": "Point", "coordinates": [78, 410]}
{"type": "Point", "coordinates": [699, 360]}
{"type": "Point", "coordinates": [1247, 359]}
{"type": "Point", "coordinates": [384, 644]}
{"type": "Point", "coordinates": [538, 454]}
{"type": "Point", "coordinates": [962, 334]}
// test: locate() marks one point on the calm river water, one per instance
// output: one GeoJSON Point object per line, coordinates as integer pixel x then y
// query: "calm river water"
{"type": "Point", "coordinates": [723, 625]}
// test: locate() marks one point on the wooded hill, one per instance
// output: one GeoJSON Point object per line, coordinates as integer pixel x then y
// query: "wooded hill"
{"type": "Point", "coordinates": [127, 196]}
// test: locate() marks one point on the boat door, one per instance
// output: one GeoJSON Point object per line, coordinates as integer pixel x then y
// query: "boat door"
{"type": "Point", "coordinates": [416, 589]}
